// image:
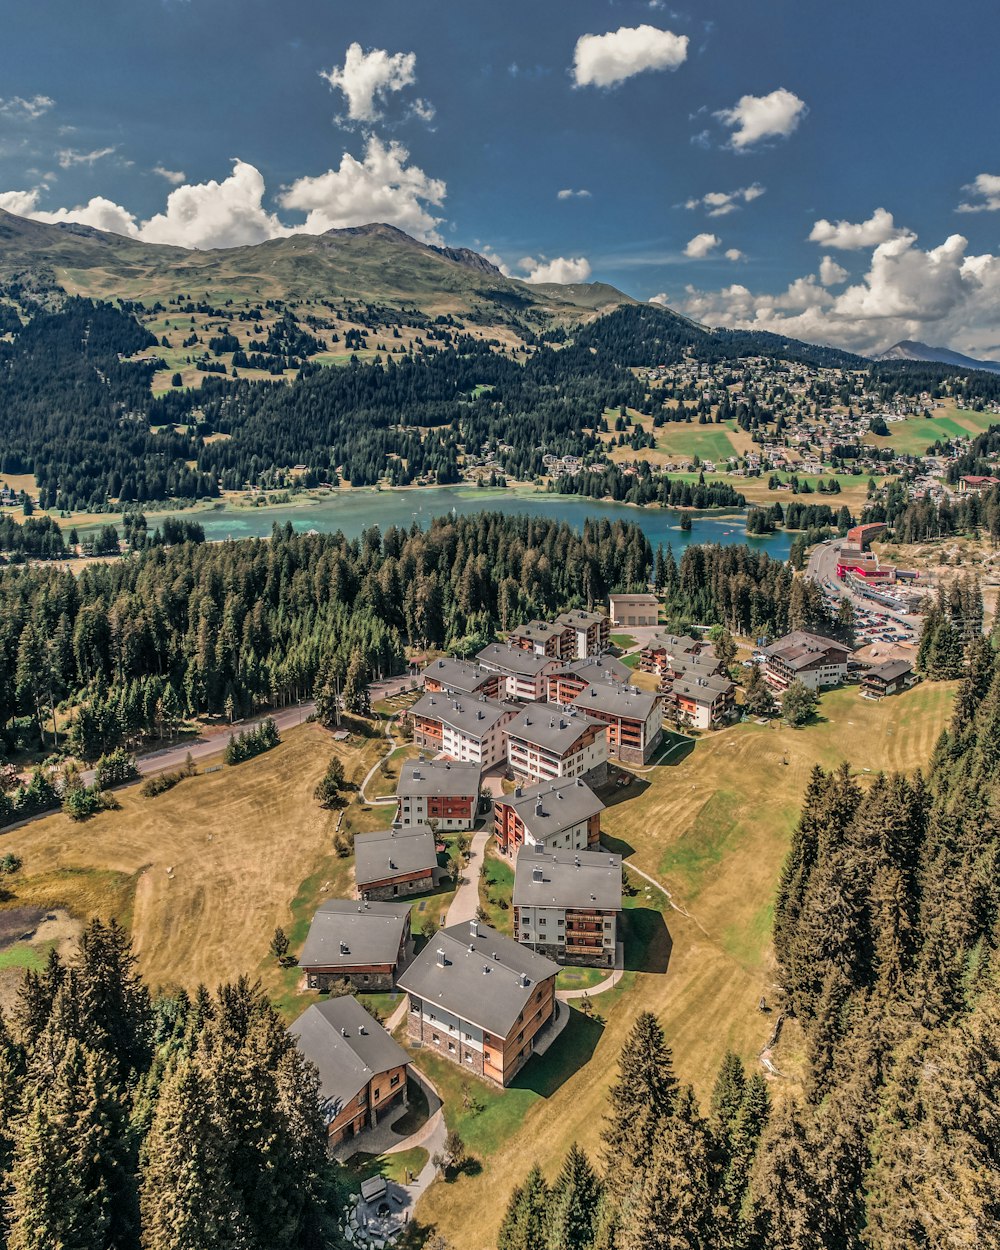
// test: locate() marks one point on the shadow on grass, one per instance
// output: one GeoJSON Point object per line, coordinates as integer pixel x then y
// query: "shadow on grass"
{"type": "Point", "coordinates": [617, 846]}
{"type": "Point", "coordinates": [648, 944]}
{"type": "Point", "coordinates": [611, 796]}
{"type": "Point", "coordinates": [681, 749]}
{"type": "Point", "coordinates": [574, 1048]}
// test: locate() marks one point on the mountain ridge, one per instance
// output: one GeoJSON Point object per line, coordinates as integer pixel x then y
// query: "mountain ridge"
{"type": "Point", "coordinates": [913, 349]}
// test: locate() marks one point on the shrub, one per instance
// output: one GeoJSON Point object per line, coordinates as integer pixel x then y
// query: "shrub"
{"type": "Point", "coordinates": [115, 768]}
{"type": "Point", "coordinates": [252, 742]}
{"type": "Point", "coordinates": [82, 802]}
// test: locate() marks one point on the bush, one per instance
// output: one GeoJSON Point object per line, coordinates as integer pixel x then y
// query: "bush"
{"type": "Point", "coordinates": [328, 789]}
{"type": "Point", "coordinates": [115, 768]}
{"type": "Point", "coordinates": [252, 742]}
{"type": "Point", "coordinates": [82, 802]}
{"type": "Point", "coordinates": [161, 782]}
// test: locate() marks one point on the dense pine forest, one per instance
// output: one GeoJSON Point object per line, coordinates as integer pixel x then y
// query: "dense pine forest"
{"type": "Point", "coordinates": [167, 1123]}
{"type": "Point", "coordinates": [135, 646]}
{"type": "Point", "coordinates": [885, 931]}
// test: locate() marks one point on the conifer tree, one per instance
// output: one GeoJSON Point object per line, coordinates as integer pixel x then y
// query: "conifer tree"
{"type": "Point", "coordinates": [640, 1100]}
{"type": "Point", "coordinates": [573, 1204]}
{"type": "Point", "coordinates": [524, 1223]}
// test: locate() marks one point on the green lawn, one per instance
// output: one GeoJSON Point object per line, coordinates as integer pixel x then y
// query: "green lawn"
{"type": "Point", "coordinates": [362, 1167]}
{"type": "Point", "coordinates": [31, 958]}
{"type": "Point", "coordinates": [580, 978]}
{"type": "Point", "coordinates": [625, 641]}
{"type": "Point", "coordinates": [708, 442]}
{"type": "Point", "coordinates": [496, 888]}
{"type": "Point", "coordinates": [913, 436]}
{"type": "Point", "coordinates": [633, 660]}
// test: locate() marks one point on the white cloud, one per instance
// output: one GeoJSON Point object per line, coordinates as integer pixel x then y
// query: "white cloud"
{"type": "Point", "coordinates": [701, 245]}
{"type": "Point", "coordinates": [174, 176]}
{"type": "Point", "coordinates": [942, 296]}
{"type": "Point", "coordinates": [22, 203]}
{"type": "Point", "coordinates": [663, 299]}
{"type": "Point", "coordinates": [216, 214]}
{"type": "Point", "coordinates": [852, 236]}
{"type": "Point", "coordinates": [26, 109]}
{"type": "Point", "coordinates": [756, 117]}
{"type": "Point", "coordinates": [381, 187]}
{"type": "Point", "coordinates": [830, 273]}
{"type": "Point", "coordinates": [569, 194]}
{"type": "Point", "coordinates": [366, 78]}
{"type": "Point", "coordinates": [424, 110]}
{"type": "Point", "coordinates": [68, 157]}
{"type": "Point", "coordinates": [721, 203]}
{"type": "Point", "coordinates": [987, 188]}
{"type": "Point", "coordinates": [559, 269]}
{"type": "Point", "coordinates": [605, 60]}
{"type": "Point", "coordinates": [101, 213]}
{"type": "Point", "coordinates": [734, 254]}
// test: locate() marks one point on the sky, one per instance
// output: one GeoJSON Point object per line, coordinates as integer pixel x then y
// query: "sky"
{"type": "Point", "coordinates": [827, 170]}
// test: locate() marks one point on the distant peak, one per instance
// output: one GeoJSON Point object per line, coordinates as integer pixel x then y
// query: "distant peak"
{"type": "Point", "coordinates": [470, 259]}
{"type": "Point", "coordinates": [374, 230]}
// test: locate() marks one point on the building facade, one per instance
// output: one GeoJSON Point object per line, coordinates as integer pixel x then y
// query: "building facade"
{"type": "Point", "coordinates": [461, 677]}
{"type": "Point", "coordinates": [809, 658]}
{"type": "Point", "coordinates": [469, 730]}
{"type": "Point", "coordinates": [545, 742]}
{"type": "Point", "coordinates": [442, 793]}
{"type": "Point", "coordinates": [395, 863]}
{"type": "Point", "coordinates": [362, 943]}
{"type": "Point", "coordinates": [591, 632]}
{"type": "Point", "coordinates": [521, 672]}
{"type": "Point", "coordinates": [641, 609]}
{"type": "Point", "coordinates": [555, 815]}
{"type": "Point", "coordinates": [567, 903]}
{"type": "Point", "coordinates": [634, 718]}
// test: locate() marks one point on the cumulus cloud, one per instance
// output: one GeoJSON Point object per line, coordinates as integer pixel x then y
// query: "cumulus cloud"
{"type": "Point", "coordinates": [230, 213]}
{"type": "Point", "coordinates": [29, 109]}
{"type": "Point", "coordinates": [721, 203]}
{"type": "Point", "coordinates": [569, 194]}
{"type": "Point", "coordinates": [662, 299]}
{"type": "Point", "coordinates": [733, 254]}
{"type": "Point", "coordinates": [830, 273]}
{"type": "Point", "coordinates": [701, 245]}
{"type": "Point", "coordinates": [216, 214]}
{"type": "Point", "coordinates": [852, 236]}
{"type": "Point", "coordinates": [381, 187]}
{"type": "Point", "coordinates": [606, 60]}
{"type": "Point", "coordinates": [941, 295]}
{"type": "Point", "coordinates": [559, 269]}
{"type": "Point", "coordinates": [366, 78]}
{"type": "Point", "coordinates": [174, 176]}
{"type": "Point", "coordinates": [756, 117]}
{"type": "Point", "coordinates": [68, 157]}
{"type": "Point", "coordinates": [984, 193]}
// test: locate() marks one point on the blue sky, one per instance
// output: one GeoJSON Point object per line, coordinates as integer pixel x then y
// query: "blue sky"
{"type": "Point", "coordinates": [463, 122]}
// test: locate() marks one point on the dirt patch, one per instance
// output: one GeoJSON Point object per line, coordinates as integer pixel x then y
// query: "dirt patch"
{"type": "Point", "coordinates": [19, 923]}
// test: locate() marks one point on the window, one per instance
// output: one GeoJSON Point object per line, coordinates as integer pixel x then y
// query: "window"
{"type": "Point", "coordinates": [365, 978]}
{"type": "Point", "coordinates": [378, 1094]}
{"type": "Point", "coordinates": [451, 1048]}
{"type": "Point", "coordinates": [393, 1081]}
{"type": "Point", "coordinates": [435, 1039]}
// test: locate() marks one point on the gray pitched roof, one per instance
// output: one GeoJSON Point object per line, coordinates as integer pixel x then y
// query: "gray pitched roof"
{"type": "Point", "coordinates": [613, 699]}
{"type": "Point", "coordinates": [702, 689]}
{"type": "Point", "coordinates": [478, 974]}
{"type": "Point", "coordinates": [460, 675]}
{"type": "Point", "coordinates": [438, 778]}
{"type": "Point", "coordinates": [563, 803]}
{"type": "Point", "coordinates": [395, 852]}
{"type": "Point", "coordinates": [507, 659]}
{"type": "Point", "coordinates": [347, 1046]}
{"type": "Point", "coordinates": [371, 932]}
{"type": "Point", "coordinates": [889, 670]}
{"type": "Point", "coordinates": [683, 644]}
{"type": "Point", "coordinates": [568, 879]}
{"type": "Point", "coordinates": [548, 726]}
{"type": "Point", "coordinates": [595, 668]}
{"type": "Point", "coordinates": [469, 714]}
{"type": "Point", "coordinates": [538, 630]}
{"type": "Point", "coordinates": [636, 600]}
{"type": "Point", "coordinates": [800, 649]}
{"type": "Point", "coordinates": [580, 619]}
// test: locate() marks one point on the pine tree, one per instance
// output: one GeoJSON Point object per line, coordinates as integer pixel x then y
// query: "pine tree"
{"type": "Point", "coordinates": [640, 1100]}
{"type": "Point", "coordinates": [524, 1222]}
{"type": "Point", "coordinates": [573, 1204]}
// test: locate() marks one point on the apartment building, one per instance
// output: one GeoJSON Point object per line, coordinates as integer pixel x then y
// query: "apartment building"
{"type": "Point", "coordinates": [634, 718]}
{"type": "Point", "coordinates": [591, 631]}
{"type": "Point", "coordinates": [522, 673]}
{"type": "Point", "coordinates": [555, 815]}
{"type": "Point", "coordinates": [566, 905]}
{"type": "Point", "coordinates": [464, 728]}
{"type": "Point", "coordinates": [545, 742]}
{"type": "Point", "coordinates": [443, 791]}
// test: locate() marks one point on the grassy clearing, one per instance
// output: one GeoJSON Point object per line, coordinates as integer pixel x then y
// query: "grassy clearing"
{"type": "Point", "coordinates": [394, 1167]}
{"type": "Point", "coordinates": [914, 435]}
{"type": "Point", "coordinates": [26, 956]}
{"type": "Point", "coordinates": [496, 889]}
{"type": "Point", "coordinates": [625, 641]}
{"type": "Point", "coordinates": [724, 864]}
{"type": "Point", "coordinates": [580, 978]}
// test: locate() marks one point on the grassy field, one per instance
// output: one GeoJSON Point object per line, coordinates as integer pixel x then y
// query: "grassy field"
{"type": "Point", "coordinates": [913, 436]}
{"type": "Point", "coordinates": [714, 828]}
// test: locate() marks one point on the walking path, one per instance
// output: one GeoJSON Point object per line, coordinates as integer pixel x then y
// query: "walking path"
{"type": "Point", "coordinates": [669, 897]}
{"type": "Point", "coordinates": [388, 798]}
{"type": "Point", "coordinates": [609, 983]}
{"type": "Point", "coordinates": [466, 901]}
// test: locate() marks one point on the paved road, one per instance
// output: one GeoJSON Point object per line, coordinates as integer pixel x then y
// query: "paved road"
{"type": "Point", "coordinates": [822, 568]}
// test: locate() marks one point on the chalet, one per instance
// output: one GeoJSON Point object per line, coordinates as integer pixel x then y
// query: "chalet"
{"type": "Point", "coordinates": [591, 631]}
{"type": "Point", "coordinates": [480, 999]}
{"type": "Point", "coordinates": [662, 653]}
{"type": "Point", "coordinates": [396, 862]}
{"type": "Point", "coordinates": [809, 658]}
{"type": "Point", "coordinates": [702, 701]}
{"type": "Point", "coordinates": [363, 943]}
{"type": "Point", "coordinates": [566, 905]}
{"type": "Point", "coordinates": [888, 678]}
{"type": "Point", "coordinates": [546, 742]}
{"type": "Point", "coordinates": [462, 727]}
{"type": "Point", "coordinates": [460, 677]}
{"type": "Point", "coordinates": [575, 676]}
{"type": "Point", "coordinates": [441, 791]}
{"type": "Point", "coordinates": [634, 718]}
{"type": "Point", "coordinates": [545, 638]}
{"type": "Point", "coordinates": [522, 673]}
{"type": "Point", "coordinates": [555, 815]}
{"type": "Point", "coordinates": [362, 1069]}
{"type": "Point", "coordinates": [634, 609]}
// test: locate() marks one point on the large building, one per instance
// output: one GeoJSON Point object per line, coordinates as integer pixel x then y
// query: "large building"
{"type": "Point", "coordinates": [809, 658]}
{"type": "Point", "coordinates": [460, 677]}
{"type": "Point", "coordinates": [362, 1070]}
{"type": "Point", "coordinates": [363, 943]}
{"type": "Point", "coordinates": [666, 654]}
{"type": "Point", "coordinates": [480, 999]}
{"type": "Point", "coordinates": [890, 677]}
{"type": "Point", "coordinates": [702, 701]}
{"type": "Point", "coordinates": [555, 815]}
{"type": "Point", "coordinates": [522, 673]}
{"type": "Point", "coordinates": [634, 718]}
{"type": "Point", "coordinates": [566, 905]}
{"type": "Point", "coordinates": [545, 638]}
{"type": "Point", "coordinates": [591, 632]}
{"type": "Point", "coordinates": [574, 676]}
{"type": "Point", "coordinates": [465, 728]}
{"type": "Point", "coordinates": [545, 742]}
{"type": "Point", "coordinates": [396, 862]}
{"type": "Point", "coordinates": [444, 792]}
{"type": "Point", "coordinates": [642, 609]}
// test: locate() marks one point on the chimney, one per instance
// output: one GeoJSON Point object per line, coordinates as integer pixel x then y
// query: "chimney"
{"type": "Point", "coordinates": [522, 980]}
{"type": "Point", "coordinates": [474, 927]}
{"type": "Point", "coordinates": [344, 948]}
{"type": "Point", "coordinates": [392, 865]}
{"type": "Point", "coordinates": [539, 848]}
{"type": "Point", "coordinates": [518, 792]}
{"type": "Point", "coordinates": [442, 962]}
{"type": "Point", "coordinates": [343, 1032]}
{"type": "Point", "coordinates": [539, 810]}
{"type": "Point", "coordinates": [577, 861]}
{"type": "Point", "coordinates": [536, 875]}
{"type": "Point", "coordinates": [363, 1031]}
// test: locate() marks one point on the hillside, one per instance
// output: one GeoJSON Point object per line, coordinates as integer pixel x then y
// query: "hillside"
{"type": "Point", "coordinates": [911, 349]}
{"type": "Point", "coordinates": [369, 264]}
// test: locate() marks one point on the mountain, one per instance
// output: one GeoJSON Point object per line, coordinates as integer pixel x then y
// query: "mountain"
{"type": "Point", "coordinates": [910, 349]}
{"type": "Point", "coordinates": [373, 264]}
